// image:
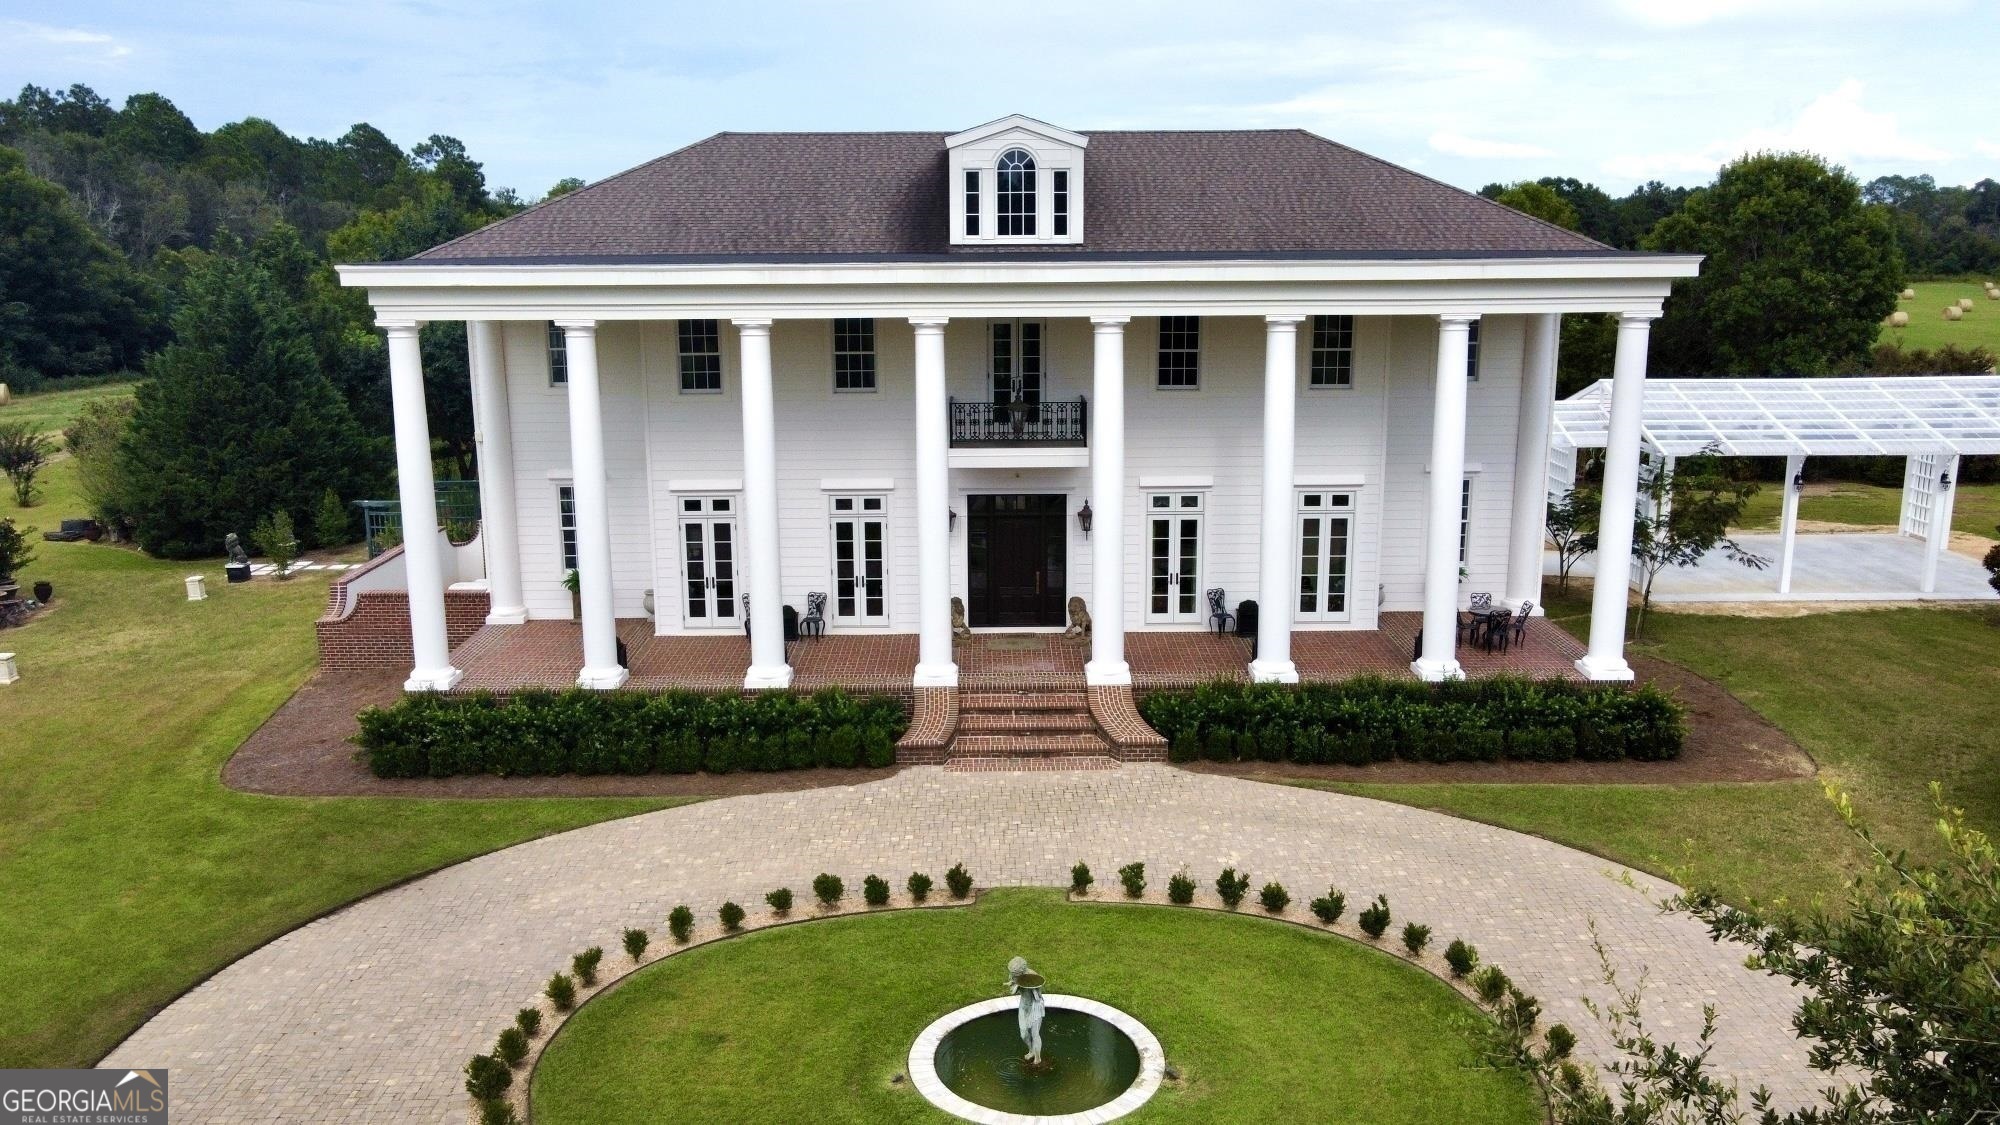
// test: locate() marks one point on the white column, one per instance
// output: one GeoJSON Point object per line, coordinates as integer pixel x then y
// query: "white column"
{"type": "Point", "coordinates": [1440, 631]}
{"type": "Point", "coordinates": [1277, 543]}
{"type": "Point", "coordinates": [1788, 521]}
{"type": "Point", "coordinates": [935, 667]}
{"type": "Point", "coordinates": [1531, 462]}
{"type": "Point", "coordinates": [760, 510]}
{"type": "Point", "coordinates": [492, 435]}
{"type": "Point", "coordinates": [1107, 485]}
{"type": "Point", "coordinates": [1939, 539]}
{"type": "Point", "coordinates": [423, 553]}
{"type": "Point", "coordinates": [1606, 658]}
{"type": "Point", "coordinates": [593, 509]}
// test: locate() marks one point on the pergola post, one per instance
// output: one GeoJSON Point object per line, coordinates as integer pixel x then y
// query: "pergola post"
{"type": "Point", "coordinates": [1939, 538]}
{"type": "Point", "coordinates": [1788, 519]}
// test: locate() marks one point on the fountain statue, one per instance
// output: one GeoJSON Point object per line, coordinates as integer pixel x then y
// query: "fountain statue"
{"type": "Point", "coordinates": [1027, 983]}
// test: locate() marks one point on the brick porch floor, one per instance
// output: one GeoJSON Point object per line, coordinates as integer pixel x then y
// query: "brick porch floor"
{"type": "Point", "coordinates": [549, 654]}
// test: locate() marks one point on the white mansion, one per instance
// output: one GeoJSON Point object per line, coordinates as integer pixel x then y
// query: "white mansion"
{"type": "Point", "coordinates": [1012, 366]}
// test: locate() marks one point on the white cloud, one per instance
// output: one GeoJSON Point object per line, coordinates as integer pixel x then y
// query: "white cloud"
{"type": "Point", "coordinates": [1986, 148]}
{"type": "Point", "coordinates": [1674, 15]}
{"type": "Point", "coordinates": [1835, 125]}
{"type": "Point", "coordinates": [1455, 144]}
{"type": "Point", "coordinates": [68, 40]}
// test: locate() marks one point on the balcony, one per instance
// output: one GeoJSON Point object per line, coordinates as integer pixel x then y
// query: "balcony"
{"type": "Point", "coordinates": [989, 425]}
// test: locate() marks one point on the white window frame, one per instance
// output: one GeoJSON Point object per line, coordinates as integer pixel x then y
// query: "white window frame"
{"type": "Point", "coordinates": [1344, 503]}
{"type": "Point", "coordinates": [705, 512]}
{"type": "Point", "coordinates": [858, 512]}
{"type": "Point", "coordinates": [1314, 350]}
{"type": "Point", "coordinates": [557, 344]}
{"type": "Point", "coordinates": [1176, 509]}
{"type": "Point", "coordinates": [566, 528]}
{"type": "Point", "coordinates": [1032, 193]}
{"type": "Point", "coordinates": [1160, 352]}
{"type": "Point", "coordinates": [1472, 351]}
{"type": "Point", "coordinates": [681, 355]}
{"type": "Point", "coordinates": [871, 352]}
{"type": "Point", "coordinates": [1465, 521]}
{"type": "Point", "coordinates": [1016, 332]}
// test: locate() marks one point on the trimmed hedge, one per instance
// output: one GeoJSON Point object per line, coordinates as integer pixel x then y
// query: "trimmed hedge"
{"type": "Point", "coordinates": [1374, 720]}
{"type": "Point", "coordinates": [598, 732]}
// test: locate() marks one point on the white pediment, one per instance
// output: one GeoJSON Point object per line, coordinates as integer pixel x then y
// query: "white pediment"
{"type": "Point", "coordinates": [1015, 122]}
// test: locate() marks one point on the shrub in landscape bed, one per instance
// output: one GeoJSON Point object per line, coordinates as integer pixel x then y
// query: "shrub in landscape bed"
{"type": "Point", "coordinates": [1461, 956]}
{"type": "Point", "coordinates": [1369, 720]}
{"type": "Point", "coordinates": [1180, 889]}
{"type": "Point", "coordinates": [487, 1078]}
{"type": "Point", "coordinates": [561, 992]}
{"type": "Point", "coordinates": [780, 901]}
{"type": "Point", "coordinates": [584, 965]}
{"type": "Point", "coordinates": [1375, 918]}
{"type": "Point", "coordinates": [1415, 937]}
{"type": "Point", "coordinates": [635, 943]}
{"type": "Point", "coordinates": [1329, 907]}
{"type": "Point", "coordinates": [1491, 985]}
{"type": "Point", "coordinates": [828, 889]}
{"type": "Point", "coordinates": [731, 916]}
{"type": "Point", "coordinates": [1273, 898]}
{"type": "Point", "coordinates": [1133, 876]}
{"type": "Point", "coordinates": [498, 1112]}
{"type": "Point", "coordinates": [958, 880]}
{"type": "Point", "coordinates": [1080, 878]}
{"type": "Point", "coordinates": [875, 890]}
{"type": "Point", "coordinates": [594, 732]}
{"type": "Point", "coordinates": [1232, 887]}
{"type": "Point", "coordinates": [529, 1020]}
{"type": "Point", "coordinates": [1561, 1041]}
{"type": "Point", "coordinates": [919, 886]}
{"type": "Point", "coordinates": [512, 1047]}
{"type": "Point", "coordinates": [680, 923]}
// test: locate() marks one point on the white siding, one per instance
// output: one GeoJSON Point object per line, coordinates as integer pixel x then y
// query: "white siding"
{"type": "Point", "coordinates": [1376, 432]}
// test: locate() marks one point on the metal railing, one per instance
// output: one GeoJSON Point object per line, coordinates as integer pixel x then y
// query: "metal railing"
{"type": "Point", "coordinates": [1050, 422]}
{"type": "Point", "coordinates": [458, 514]}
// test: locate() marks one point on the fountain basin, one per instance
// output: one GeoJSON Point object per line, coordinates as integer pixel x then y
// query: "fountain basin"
{"type": "Point", "coordinates": [1101, 1064]}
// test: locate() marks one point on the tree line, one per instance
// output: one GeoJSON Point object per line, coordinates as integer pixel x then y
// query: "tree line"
{"type": "Point", "coordinates": [132, 241]}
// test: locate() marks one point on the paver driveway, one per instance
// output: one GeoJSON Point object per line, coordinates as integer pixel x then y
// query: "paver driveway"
{"type": "Point", "coordinates": [369, 1013]}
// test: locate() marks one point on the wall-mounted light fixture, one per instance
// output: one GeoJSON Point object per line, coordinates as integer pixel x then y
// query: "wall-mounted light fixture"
{"type": "Point", "coordinates": [1083, 518]}
{"type": "Point", "coordinates": [1798, 482]}
{"type": "Point", "coordinates": [1944, 482]}
{"type": "Point", "coordinates": [954, 518]}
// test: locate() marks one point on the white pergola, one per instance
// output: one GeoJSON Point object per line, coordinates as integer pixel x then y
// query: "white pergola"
{"type": "Point", "coordinates": [1929, 421]}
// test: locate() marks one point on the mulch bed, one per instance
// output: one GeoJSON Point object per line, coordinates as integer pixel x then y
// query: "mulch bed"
{"type": "Point", "coordinates": [304, 750]}
{"type": "Point", "coordinates": [1727, 741]}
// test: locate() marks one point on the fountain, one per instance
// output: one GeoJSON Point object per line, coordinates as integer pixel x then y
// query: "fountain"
{"type": "Point", "coordinates": [1028, 1056]}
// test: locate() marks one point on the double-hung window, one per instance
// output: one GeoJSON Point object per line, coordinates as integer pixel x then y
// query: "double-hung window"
{"type": "Point", "coordinates": [1464, 519]}
{"type": "Point", "coordinates": [972, 202]}
{"type": "Point", "coordinates": [854, 354]}
{"type": "Point", "coordinates": [1059, 190]}
{"type": "Point", "coordinates": [558, 356]}
{"type": "Point", "coordinates": [1180, 352]}
{"type": "Point", "coordinates": [1472, 350]}
{"type": "Point", "coordinates": [1332, 363]}
{"type": "Point", "coordinates": [701, 356]}
{"type": "Point", "coordinates": [566, 525]}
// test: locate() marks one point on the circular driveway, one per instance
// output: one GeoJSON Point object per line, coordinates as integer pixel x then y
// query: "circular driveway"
{"type": "Point", "coordinates": [370, 1013]}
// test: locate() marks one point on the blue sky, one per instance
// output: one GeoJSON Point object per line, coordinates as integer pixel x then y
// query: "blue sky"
{"type": "Point", "coordinates": [1617, 91]}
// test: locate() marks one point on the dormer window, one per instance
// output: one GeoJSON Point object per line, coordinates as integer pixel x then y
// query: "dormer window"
{"type": "Point", "coordinates": [1016, 180]}
{"type": "Point", "coordinates": [1014, 200]}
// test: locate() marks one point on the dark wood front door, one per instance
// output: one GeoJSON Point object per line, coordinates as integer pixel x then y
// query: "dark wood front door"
{"type": "Point", "coordinates": [1017, 555]}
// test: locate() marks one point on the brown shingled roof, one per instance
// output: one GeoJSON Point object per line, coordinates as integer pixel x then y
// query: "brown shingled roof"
{"type": "Point", "coordinates": [1167, 194]}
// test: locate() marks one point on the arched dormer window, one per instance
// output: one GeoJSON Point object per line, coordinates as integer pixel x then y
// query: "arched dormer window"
{"type": "Point", "coordinates": [1014, 196]}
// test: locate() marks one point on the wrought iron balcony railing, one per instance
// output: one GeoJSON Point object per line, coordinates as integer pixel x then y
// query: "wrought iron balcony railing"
{"type": "Point", "coordinates": [1051, 422]}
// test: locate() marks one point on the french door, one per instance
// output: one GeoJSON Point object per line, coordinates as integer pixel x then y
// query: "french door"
{"type": "Point", "coordinates": [708, 561]}
{"type": "Point", "coordinates": [860, 528]}
{"type": "Point", "coordinates": [1173, 558]}
{"type": "Point", "coordinates": [1016, 361]}
{"type": "Point", "coordinates": [1326, 545]}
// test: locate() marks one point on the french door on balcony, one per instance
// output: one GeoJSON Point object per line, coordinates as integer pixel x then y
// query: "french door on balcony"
{"type": "Point", "coordinates": [1016, 354]}
{"type": "Point", "coordinates": [1326, 553]}
{"type": "Point", "coordinates": [708, 561]}
{"type": "Point", "coordinates": [1173, 558]}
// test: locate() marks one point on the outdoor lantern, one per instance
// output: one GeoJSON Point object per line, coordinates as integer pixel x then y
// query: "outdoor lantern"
{"type": "Point", "coordinates": [1083, 518]}
{"type": "Point", "coordinates": [1798, 482]}
{"type": "Point", "coordinates": [954, 518]}
{"type": "Point", "coordinates": [1944, 482]}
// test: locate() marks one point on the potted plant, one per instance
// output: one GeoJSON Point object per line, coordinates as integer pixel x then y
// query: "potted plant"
{"type": "Point", "coordinates": [574, 585]}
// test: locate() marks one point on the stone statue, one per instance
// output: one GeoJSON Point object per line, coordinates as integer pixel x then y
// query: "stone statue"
{"type": "Point", "coordinates": [958, 626]}
{"type": "Point", "coordinates": [1079, 619]}
{"type": "Point", "coordinates": [234, 547]}
{"type": "Point", "coordinates": [1027, 984]}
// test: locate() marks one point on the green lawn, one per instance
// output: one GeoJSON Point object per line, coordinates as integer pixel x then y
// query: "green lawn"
{"type": "Point", "coordinates": [1976, 508]}
{"type": "Point", "coordinates": [128, 872]}
{"type": "Point", "coordinates": [1265, 1021]}
{"type": "Point", "coordinates": [1884, 700]}
{"type": "Point", "coordinates": [50, 411]}
{"type": "Point", "coordinates": [1928, 327]}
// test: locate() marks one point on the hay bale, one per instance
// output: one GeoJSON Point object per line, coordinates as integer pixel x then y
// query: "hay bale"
{"type": "Point", "coordinates": [1898, 319]}
{"type": "Point", "coordinates": [1909, 294]}
{"type": "Point", "coordinates": [1965, 303]}
{"type": "Point", "coordinates": [1953, 312]}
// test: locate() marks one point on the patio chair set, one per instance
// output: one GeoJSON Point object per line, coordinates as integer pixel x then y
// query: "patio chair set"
{"type": "Point", "coordinates": [1493, 629]}
{"type": "Point", "coordinates": [812, 624]}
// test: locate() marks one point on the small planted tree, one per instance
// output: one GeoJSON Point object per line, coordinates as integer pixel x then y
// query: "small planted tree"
{"type": "Point", "coordinates": [1692, 503]}
{"type": "Point", "coordinates": [333, 525]}
{"type": "Point", "coordinates": [15, 552]}
{"type": "Point", "coordinates": [1992, 564]}
{"type": "Point", "coordinates": [23, 453]}
{"type": "Point", "coordinates": [1572, 527]}
{"type": "Point", "coordinates": [1080, 877]}
{"type": "Point", "coordinates": [275, 540]}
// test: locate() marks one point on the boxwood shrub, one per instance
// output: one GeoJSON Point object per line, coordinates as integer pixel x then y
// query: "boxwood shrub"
{"type": "Point", "coordinates": [425, 734]}
{"type": "Point", "coordinates": [1373, 720]}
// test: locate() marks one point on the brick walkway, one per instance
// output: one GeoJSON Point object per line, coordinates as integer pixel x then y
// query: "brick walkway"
{"type": "Point", "coordinates": [369, 1014]}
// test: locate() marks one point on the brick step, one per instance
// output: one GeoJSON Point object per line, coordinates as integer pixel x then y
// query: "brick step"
{"type": "Point", "coordinates": [1023, 701]}
{"type": "Point", "coordinates": [1027, 746]}
{"type": "Point", "coordinates": [1026, 722]}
